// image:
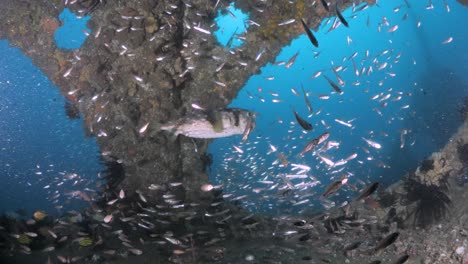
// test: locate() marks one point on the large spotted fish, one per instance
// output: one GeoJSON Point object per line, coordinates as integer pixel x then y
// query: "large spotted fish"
{"type": "Point", "coordinates": [213, 124]}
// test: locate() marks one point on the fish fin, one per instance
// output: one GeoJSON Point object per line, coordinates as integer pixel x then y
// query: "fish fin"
{"type": "Point", "coordinates": [249, 128]}
{"type": "Point", "coordinates": [216, 120]}
{"type": "Point", "coordinates": [170, 134]}
{"type": "Point", "coordinates": [156, 128]}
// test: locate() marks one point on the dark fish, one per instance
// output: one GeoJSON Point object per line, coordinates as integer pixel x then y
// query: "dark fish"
{"type": "Point", "coordinates": [386, 241]}
{"type": "Point", "coordinates": [304, 124]}
{"type": "Point", "coordinates": [368, 191]}
{"type": "Point", "coordinates": [300, 223]}
{"type": "Point", "coordinates": [341, 16]}
{"type": "Point", "coordinates": [352, 246]}
{"type": "Point", "coordinates": [325, 5]}
{"type": "Point", "coordinates": [332, 189]}
{"type": "Point", "coordinates": [407, 4]}
{"type": "Point", "coordinates": [391, 215]}
{"type": "Point", "coordinates": [402, 259]}
{"type": "Point", "coordinates": [309, 34]}
{"type": "Point", "coordinates": [309, 105]}
{"type": "Point", "coordinates": [361, 7]}
{"type": "Point", "coordinates": [334, 85]}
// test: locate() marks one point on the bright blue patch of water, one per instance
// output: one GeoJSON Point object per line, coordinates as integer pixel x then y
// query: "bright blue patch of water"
{"type": "Point", "coordinates": [231, 24]}
{"type": "Point", "coordinates": [71, 34]}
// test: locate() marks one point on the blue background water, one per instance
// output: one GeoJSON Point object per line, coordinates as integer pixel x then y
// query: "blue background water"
{"type": "Point", "coordinates": [433, 73]}
{"type": "Point", "coordinates": [230, 25]}
{"type": "Point", "coordinates": [71, 35]}
{"type": "Point", "coordinates": [36, 132]}
{"type": "Point", "coordinates": [39, 144]}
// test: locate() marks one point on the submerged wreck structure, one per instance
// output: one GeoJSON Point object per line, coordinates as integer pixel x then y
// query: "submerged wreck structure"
{"type": "Point", "coordinates": [146, 62]}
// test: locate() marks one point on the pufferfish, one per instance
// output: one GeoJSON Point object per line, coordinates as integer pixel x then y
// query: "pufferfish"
{"type": "Point", "coordinates": [213, 124]}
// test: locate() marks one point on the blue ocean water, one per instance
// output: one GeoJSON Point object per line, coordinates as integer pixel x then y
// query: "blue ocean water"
{"type": "Point", "coordinates": [428, 76]}
{"type": "Point", "coordinates": [230, 25]}
{"type": "Point", "coordinates": [40, 145]}
{"type": "Point", "coordinates": [71, 34]}
{"type": "Point", "coordinates": [44, 155]}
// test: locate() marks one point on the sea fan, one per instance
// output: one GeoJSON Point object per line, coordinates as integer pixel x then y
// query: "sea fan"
{"type": "Point", "coordinates": [433, 202]}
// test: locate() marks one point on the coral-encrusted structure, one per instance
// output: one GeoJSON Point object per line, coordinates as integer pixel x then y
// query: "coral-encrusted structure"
{"type": "Point", "coordinates": [143, 62]}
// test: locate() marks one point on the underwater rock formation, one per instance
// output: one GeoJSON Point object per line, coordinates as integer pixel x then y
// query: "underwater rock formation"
{"type": "Point", "coordinates": [424, 197]}
{"type": "Point", "coordinates": [433, 170]}
{"type": "Point", "coordinates": [429, 184]}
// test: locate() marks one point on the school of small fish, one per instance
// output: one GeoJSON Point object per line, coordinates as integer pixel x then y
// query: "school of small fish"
{"type": "Point", "coordinates": [292, 174]}
{"type": "Point", "coordinates": [267, 176]}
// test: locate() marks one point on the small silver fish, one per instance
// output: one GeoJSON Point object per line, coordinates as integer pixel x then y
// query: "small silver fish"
{"type": "Point", "coordinates": [372, 143]}
{"type": "Point", "coordinates": [291, 60]}
{"type": "Point", "coordinates": [308, 104]}
{"type": "Point", "coordinates": [213, 124]}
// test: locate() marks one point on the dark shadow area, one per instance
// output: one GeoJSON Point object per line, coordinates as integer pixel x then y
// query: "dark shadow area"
{"type": "Point", "coordinates": [438, 109]}
{"type": "Point", "coordinates": [435, 116]}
